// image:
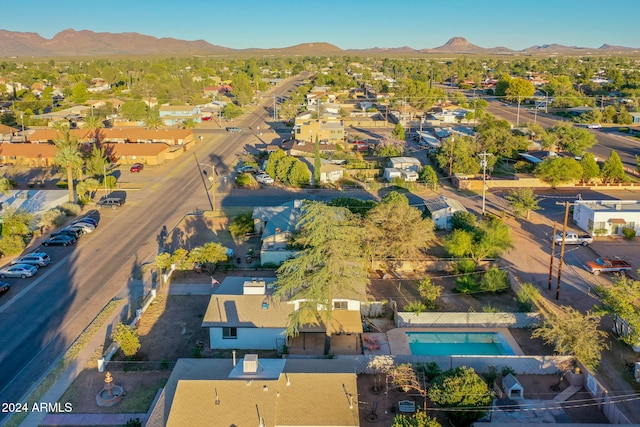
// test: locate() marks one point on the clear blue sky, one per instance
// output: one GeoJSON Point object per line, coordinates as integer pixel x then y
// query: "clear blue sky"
{"type": "Point", "coordinates": [516, 24]}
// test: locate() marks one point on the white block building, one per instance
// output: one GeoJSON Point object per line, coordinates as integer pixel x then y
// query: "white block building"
{"type": "Point", "coordinates": [607, 217]}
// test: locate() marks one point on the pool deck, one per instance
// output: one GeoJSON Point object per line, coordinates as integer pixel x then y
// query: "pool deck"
{"type": "Point", "coordinates": [399, 344]}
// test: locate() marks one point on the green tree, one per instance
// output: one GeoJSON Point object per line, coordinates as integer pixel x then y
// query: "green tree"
{"type": "Point", "coordinates": [242, 89]}
{"type": "Point", "coordinates": [357, 206]}
{"type": "Point", "coordinates": [621, 301]}
{"type": "Point", "coordinates": [16, 222]}
{"type": "Point", "coordinates": [154, 121]}
{"type": "Point", "coordinates": [460, 154]}
{"type": "Point", "coordinates": [558, 170]}
{"type": "Point", "coordinates": [272, 162]}
{"type": "Point", "coordinates": [298, 174]}
{"type": "Point", "coordinates": [134, 110]}
{"type": "Point", "coordinates": [231, 111]}
{"type": "Point", "coordinates": [5, 185]}
{"type": "Point", "coordinates": [397, 230]}
{"type": "Point", "coordinates": [519, 89]}
{"type": "Point", "coordinates": [428, 175]}
{"type": "Point", "coordinates": [127, 339]}
{"type": "Point", "coordinates": [330, 264]}
{"type": "Point", "coordinates": [92, 122]}
{"type": "Point", "coordinates": [241, 225]}
{"type": "Point", "coordinates": [80, 93]}
{"type": "Point", "coordinates": [590, 168]}
{"type": "Point", "coordinates": [96, 162]}
{"type": "Point", "coordinates": [209, 253]}
{"type": "Point", "coordinates": [613, 169]}
{"type": "Point", "coordinates": [574, 334]}
{"type": "Point", "coordinates": [398, 132]}
{"type": "Point", "coordinates": [69, 157]}
{"type": "Point", "coordinates": [429, 292]}
{"type": "Point", "coordinates": [464, 392]}
{"type": "Point", "coordinates": [490, 238]}
{"type": "Point", "coordinates": [623, 117]}
{"type": "Point", "coordinates": [609, 114]}
{"type": "Point", "coordinates": [494, 280]}
{"type": "Point", "coordinates": [572, 139]}
{"type": "Point", "coordinates": [419, 419]}
{"type": "Point", "coordinates": [523, 201]}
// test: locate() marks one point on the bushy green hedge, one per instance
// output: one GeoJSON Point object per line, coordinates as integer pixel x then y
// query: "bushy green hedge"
{"type": "Point", "coordinates": [628, 233]}
{"type": "Point", "coordinates": [70, 209]}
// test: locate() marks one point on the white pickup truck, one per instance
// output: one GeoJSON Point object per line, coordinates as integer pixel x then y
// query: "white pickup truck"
{"type": "Point", "coordinates": [572, 238]}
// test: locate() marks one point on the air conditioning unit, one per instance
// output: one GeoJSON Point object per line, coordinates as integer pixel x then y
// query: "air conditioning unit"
{"type": "Point", "coordinates": [250, 364]}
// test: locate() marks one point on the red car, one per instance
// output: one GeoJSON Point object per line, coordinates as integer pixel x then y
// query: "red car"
{"type": "Point", "coordinates": [137, 167]}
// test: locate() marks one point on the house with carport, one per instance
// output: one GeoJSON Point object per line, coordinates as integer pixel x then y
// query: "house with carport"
{"type": "Point", "coordinates": [607, 217]}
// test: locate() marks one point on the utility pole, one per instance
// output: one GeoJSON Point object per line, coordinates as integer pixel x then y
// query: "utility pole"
{"type": "Point", "coordinates": [483, 164]}
{"type": "Point", "coordinates": [564, 235]}
{"type": "Point", "coordinates": [553, 251]}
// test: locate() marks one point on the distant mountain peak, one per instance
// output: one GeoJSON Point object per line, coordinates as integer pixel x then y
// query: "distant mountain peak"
{"type": "Point", "coordinates": [458, 44]}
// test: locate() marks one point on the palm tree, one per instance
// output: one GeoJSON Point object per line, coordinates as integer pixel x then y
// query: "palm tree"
{"type": "Point", "coordinates": [92, 122]}
{"type": "Point", "coordinates": [68, 156]}
{"type": "Point", "coordinates": [154, 121]}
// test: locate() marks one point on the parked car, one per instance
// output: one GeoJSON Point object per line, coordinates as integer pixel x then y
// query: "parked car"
{"type": "Point", "coordinates": [4, 287]}
{"type": "Point", "coordinates": [608, 265]}
{"type": "Point", "coordinates": [39, 259]}
{"type": "Point", "coordinates": [112, 202]}
{"type": "Point", "coordinates": [18, 270]}
{"type": "Point", "coordinates": [136, 167]}
{"type": "Point", "coordinates": [83, 227]}
{"type": "Point", "coordinates": [59, 240]}
{"type": "Point", "coordinates": [264, 179]}
{"type": "Point", "coordinates": [86, 219]}
{"type": "Point", "coordinates": [75, 233]}
{"type": "Point", "coordinates": [247, 169]}
{"type": "Point", "coordinates": [572, 238]}
{"type": "Point", "coordinates": [594, 126]}
{"type": "Point", "coordinates": [234, 129]}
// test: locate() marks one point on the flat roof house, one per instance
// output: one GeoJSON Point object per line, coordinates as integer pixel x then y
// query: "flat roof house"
{"type": "Point", "coordinates": [607, 217]}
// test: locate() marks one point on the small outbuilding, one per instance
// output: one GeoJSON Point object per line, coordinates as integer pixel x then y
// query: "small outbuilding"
{"type": "Point", "coordinates": [512, 387]}
{"type": "Point", "coordinates": [441, 210]}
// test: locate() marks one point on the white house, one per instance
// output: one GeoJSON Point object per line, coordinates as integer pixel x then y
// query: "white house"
{"type": "Point", "coordinates": [607, 217]}
{"type": "Point", "coordinates": [405, 168]}
{"type": "Point", "coordinates": [441, 210]}
{"type": "Point", "coordinates": [242, 314]}
{"type": "Point", "coordinates": [329, 172]}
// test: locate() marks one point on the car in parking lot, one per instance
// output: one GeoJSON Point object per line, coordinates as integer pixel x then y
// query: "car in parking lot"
{"type": "Point", "coordinates": [4, 287]}
{"type": "Point", "coordinates": [136, 167]}
{"type": "Point", "coordinates": [233, 129]}
{"type": "Point", "coordinates": [83, 227]}
{"type": "Point", "coordinates": [112, 202]}
{"type": "Point", "coordinates": [86, 219]}
{"type": "Point", "coordinates": [66, 231]}
{"type": "Point", "coordinates": [39, 259]}
{"type": "Point", "coordinates": [264, 179]}
{"type": "Point", "coordinates": [59, 240]}
{"type": "Point", "coordinates": [19, 270]}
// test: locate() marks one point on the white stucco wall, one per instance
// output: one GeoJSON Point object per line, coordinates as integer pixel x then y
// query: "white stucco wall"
{"type": "Point", "coordinates": [589, 220]}
{"type": "Point", "coordinates": [248, 339]}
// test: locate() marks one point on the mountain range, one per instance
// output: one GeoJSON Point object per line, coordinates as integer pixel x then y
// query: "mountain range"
{"type": "Point", "coordinates": [88, 43]}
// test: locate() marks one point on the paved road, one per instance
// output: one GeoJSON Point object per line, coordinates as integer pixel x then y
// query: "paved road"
{"type": "Point", "coordinates": [42, 316]}
{"type": "Point", "coordinates": [609, 139]}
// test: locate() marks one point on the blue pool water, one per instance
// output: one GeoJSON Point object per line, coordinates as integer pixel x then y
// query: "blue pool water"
{"type": "Point", "coordinates": [458, 343]}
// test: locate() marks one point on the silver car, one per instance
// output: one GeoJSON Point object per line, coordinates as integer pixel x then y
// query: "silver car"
{"type": "Point", "coordinates": [18, 270]}
{"type": "Point", "coordinates": [39, 259]}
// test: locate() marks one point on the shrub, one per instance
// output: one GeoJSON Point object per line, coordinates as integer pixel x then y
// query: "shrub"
{"type": "Point", "coordinates": [416, 307]}
{"type": "Point", "coordinates": [491, 375]}
{"type": "Point", "coordinates": [244, 180]}
{"type": "Point", "coordinates": [127, 339]}
{"type": "Point", "coordinates": [526, 296]}
{"type": "Point", "coordinates": [429, 292]}
{"type": "Point", "coordinates": [464, 266]}
{"type": "Point", "coordinates": [52, 218]}
{"type": "Point", "coordinates": [70, 209]}
{"type": "Point", "coordinates": [494, 280]}
{"type": "Point", "coordinates": [241, 225]}
{"type": "Point", "coordinates": [463, 391]}
{"type": "Point", "coordinates": [466, 284]}
{"type": "Point", "coordinates": [628, 233]}
{"type": "Point", "coordinates": [62, 184]}
{"type": "Point", "coordinates": [12, 245]}
{"type": "Point", "coordinates": [431, 370]}
{"type": "Point", "coordinates": [508, 370]}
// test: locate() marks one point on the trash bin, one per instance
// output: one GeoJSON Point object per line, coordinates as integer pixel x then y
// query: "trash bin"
{"type": "Point", "coordinates": [239, 260]}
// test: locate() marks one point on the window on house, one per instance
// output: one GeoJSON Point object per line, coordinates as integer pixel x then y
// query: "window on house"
{"type": "Point", "coordinates": [340, 305]}
{"type": "Point", "coordinates": [229, 333]}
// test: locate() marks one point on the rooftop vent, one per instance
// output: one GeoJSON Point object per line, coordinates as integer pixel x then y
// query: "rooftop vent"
{"type": "Point", "coordinates": [250, 364]}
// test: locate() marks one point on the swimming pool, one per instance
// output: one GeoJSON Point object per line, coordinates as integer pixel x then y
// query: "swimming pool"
{"type": "Point", "coordinates": [458, 343]}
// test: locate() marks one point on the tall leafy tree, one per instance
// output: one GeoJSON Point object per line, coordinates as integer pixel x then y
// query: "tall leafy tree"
{"type": "Point", "coordinates": [398, 132]}
{"type": "Point", "coordinates": [92, 122]}
{"type": "Point", "coordinates": [96, 162]}
{"type": "Point", "coordinates": [613, 169]}
{"type": "Point", "coordinates": [397, 230]}
{"type": "Point", "coordinates": [523, 201]}
{"type": "Point", "coordinates": [558, 170]}
{"type": "Point", "coordinates": [69, 157]}
{"type": "Point", "coordinates": [622, 300]}
{"type": "Point", "coordinates": [242, 89]}
{"type": "Point", "coordinates": [519, 89]}
{"type": "Point", "coordinates": [134, 110]}
{"type": "Point", "coordinates": [590, 168]}
{"type": "Point", "coordinates": [330, 264]}
{"type": "Point", "coordinates": [428, 175]}
{"type": "Point", "coordinates": [154, 121]}
{"type": "Point", "coordinates": [573, 139]}
{"type": "Point", "coordinates": [574, 334]}
{"type": "Point", "coordinates": [490, 238]}
{"type": "Point", "coordinates": [464, 392]}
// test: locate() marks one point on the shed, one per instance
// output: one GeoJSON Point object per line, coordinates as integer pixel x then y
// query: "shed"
{"type": "Point", "coordinates": [512, 388]}
{"type": "Point", "coordinates": [441, 210]}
